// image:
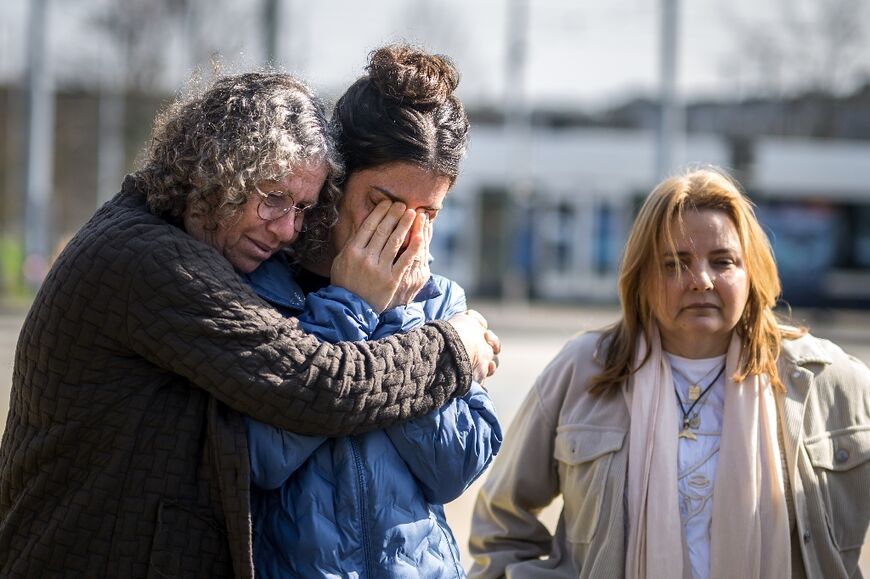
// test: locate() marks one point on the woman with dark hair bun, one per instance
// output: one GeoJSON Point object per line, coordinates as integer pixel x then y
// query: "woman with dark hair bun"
{"type": "Point", "coordinates": [403, 110]}
{"type": "Point", "coordinates": [371, 505]}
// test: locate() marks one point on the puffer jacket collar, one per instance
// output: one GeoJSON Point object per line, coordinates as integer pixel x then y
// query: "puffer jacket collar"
{"type": "Point", "coordinates": [273, 281]}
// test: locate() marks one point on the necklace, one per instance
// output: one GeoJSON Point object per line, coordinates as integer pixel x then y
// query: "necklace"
{"type": "Point", "coordinates": [694, 391]}
{"type": "Point", "coordinates": [695, 420]}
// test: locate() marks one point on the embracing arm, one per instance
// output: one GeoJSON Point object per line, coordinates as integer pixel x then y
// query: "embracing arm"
{"type": "Point", "coordinates": [448, 448]}
{"type": "Point", "coordinates": [189, 313]}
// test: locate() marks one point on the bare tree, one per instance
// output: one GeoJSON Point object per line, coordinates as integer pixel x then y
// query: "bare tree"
{"type": "Point", "coordinates": [810, 46]}
{"type": "Point", "coordinates": [137, 34]}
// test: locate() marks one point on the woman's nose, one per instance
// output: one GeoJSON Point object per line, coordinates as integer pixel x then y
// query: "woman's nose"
{"type": "Point", "coordinates": [701, 279]}
{"type": "Point", "coordinates": [286, 228]}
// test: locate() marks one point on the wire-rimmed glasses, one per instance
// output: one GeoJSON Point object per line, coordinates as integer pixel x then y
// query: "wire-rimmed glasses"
{"type": "Point", "coordinates": [274, 206]}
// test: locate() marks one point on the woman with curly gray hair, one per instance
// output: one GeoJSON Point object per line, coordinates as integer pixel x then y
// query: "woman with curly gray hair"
{"type": "Point", "coordinates": [234, 161]}
{"type": "Point", "coordinates": [125, 453]}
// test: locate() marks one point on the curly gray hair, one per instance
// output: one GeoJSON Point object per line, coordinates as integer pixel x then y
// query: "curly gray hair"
{"type": "Point", "coordinates": [210, 148]}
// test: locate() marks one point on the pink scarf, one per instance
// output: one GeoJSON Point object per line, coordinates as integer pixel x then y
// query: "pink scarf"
{"type": "Point", "coordinates": [749, 535]}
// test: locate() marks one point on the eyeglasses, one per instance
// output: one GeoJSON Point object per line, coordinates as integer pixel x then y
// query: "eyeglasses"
{"type": "Point", "coordinates": [274, 206]}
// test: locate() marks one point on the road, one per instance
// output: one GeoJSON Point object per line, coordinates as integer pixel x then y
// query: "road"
{"type": "Point", "coordinates": [531, 336]}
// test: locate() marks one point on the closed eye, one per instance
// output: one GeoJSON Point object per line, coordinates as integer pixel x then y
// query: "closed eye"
{"type": "Point", "coordinates": [376, 196]}
{"type": "Point", "coordinates": [374, 199]}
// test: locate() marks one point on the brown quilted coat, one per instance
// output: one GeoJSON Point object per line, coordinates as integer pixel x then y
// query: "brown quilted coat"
{"type": "Point", "coordinates": [124, 453]}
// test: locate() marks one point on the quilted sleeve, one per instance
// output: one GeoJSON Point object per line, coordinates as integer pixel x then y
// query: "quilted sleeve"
{"type": "Point", "coordinates": [451, 447]}
{"type": "Point", "coordinates": [275, 454]}
{"type": "Point", "coordinates": [189, 313]}
{"type": "Point", "coordinates": [447, 449]}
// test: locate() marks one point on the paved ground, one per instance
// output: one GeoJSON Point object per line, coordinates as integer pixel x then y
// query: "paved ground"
{"type": "Point", "coordinates": [531, 336]}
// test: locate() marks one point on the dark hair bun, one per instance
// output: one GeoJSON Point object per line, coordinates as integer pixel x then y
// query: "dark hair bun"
{"type": "Point", "coordinates": [411, 76]}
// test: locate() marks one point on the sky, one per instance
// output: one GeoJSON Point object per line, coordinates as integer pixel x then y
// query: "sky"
{"type": "Point", "coordinates": [579, 53]}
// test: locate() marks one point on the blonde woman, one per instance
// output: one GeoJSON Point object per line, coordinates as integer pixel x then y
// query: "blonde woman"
{"type": "Point", "coordinates": [698, 436]}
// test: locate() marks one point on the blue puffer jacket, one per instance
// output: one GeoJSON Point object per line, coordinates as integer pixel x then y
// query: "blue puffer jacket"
{"type": "Point", "coordinates": [365, 506]}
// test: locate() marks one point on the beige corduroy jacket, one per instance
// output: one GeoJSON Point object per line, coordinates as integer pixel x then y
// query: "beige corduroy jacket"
{"type": "Point", "coordinates": [566, 442]}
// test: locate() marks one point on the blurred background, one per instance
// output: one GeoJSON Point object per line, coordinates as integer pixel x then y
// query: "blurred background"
{"type": "Point", "coordinates": [577, 108]}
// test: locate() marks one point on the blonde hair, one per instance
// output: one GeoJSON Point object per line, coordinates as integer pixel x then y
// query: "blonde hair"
{"type": "Point", "coordinates": [641, 276]}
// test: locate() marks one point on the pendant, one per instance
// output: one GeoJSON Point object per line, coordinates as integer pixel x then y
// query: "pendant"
{"type": "Point", "coordinates": [688, 434]}
{"type": "Point", "coordinates": [694, 392]}
{"type": "Point", "coordinates": [695, 421]}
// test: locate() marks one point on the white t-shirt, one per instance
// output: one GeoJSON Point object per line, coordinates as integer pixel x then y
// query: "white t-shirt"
{"type": "Point", "coordinates": [697, 459]}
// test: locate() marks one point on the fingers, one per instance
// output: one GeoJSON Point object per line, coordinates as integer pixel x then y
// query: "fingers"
{"type": "Point", "coordinates": [421, 249]}
{"type": "Point", "coordinates": [414, 251]}
{"type": "Point", "coordinates": [383, 231]}
{"type": "Point", "coordinates": [493, 341]}
{"type": "Point", "coordinates": [426, 231]}
{"type": "Point", "coordinates": [368, 266]}
{"type": "Point", "coordinates": [412, 265]}
{"type": "Point", "coordinates": [391, 232]}
{"type": "Point", "coordinates": [493, 366]}
{"type": "Point", "coordinates": [479, 317]}
{"type": "Point", "coordinates": [483, 345]}
{"type": "Point", "coordinates": [367, 229]}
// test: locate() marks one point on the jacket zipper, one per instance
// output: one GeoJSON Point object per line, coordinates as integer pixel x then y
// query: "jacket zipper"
{"type": "Point", "coordinates": [362, 503]}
